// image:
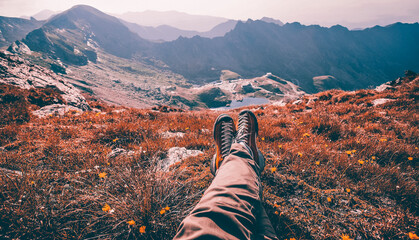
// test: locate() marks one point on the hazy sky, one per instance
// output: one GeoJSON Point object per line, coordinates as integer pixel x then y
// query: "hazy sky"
{"type": "Point", "coordinates": [351, 13]}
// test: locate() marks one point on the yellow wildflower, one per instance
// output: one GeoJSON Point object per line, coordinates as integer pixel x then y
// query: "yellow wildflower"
{"type": "Point", "coordinates": [142, 229]}
{"type": "Point", "coordinates": [354, 151]}
{"type": "Point", "coordinates": [326, 145]}
{"type": "Point", "coordinates": [187, 128]}
{"type": "Point", "coordinates": [116, 139]}
{"type": "Point", "coordinates": [131, 222]}
{"type": "Point", "coordinates": [348, 190]}
{"type": "Point", "coordinates": [306, 135]}
{"type": "Point", "coordinates": [292, 239]}
{"type": "Point", "coordinates": [106, 208]}
{"type": "Point", "coordinates": [383, 140]}
{"type": "Point", "coordinates": [317, 162]}
{"type": "Point", "coordinates": [300, 154]}
{"type": "Point", "coordinates": [410, 158]}
{"type": "Point", "coordinates": [102, 175]}
{"type": "Point", "coordinates": [167, 208]}
{"type": "Point", "coordinates": [373, 157]}
{"type": "Point", "coordinates": [349, 152]}
{"type": "Point", "coordinates": [163, 211]}
{"type": "Point", "coordinates": [329, 199]}
{"type": "Point", "coordinates": [413, 236]}
{"type": "Point", "coordinates": [280, 146]}
{"type": "Point", "coordinates": [346, 237]}
{"type": "Point", "coordinates": [361, 162]}
{"type": "Point", "coordinates": [263, 139]}
{"type": "Point", "coordinates": [108, 163]}
{"type": "Point", "coordinates": [273, 169]}
{"type": "Point", "coordinates": [32, 182]}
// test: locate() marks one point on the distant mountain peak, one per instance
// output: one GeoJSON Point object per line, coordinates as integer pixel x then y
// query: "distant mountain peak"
{"type": "Point", "coordinates": [272, 20]}
{"type": "Point", "coordinates": [82, 11]}
{"type": "Point", "coordinates": [339, 27]}
{"type": "Point", "coordinates": [84, 25]}
{"type": "Point", "coordinates": [44, 14]}
{"type": "Point", "coordinates": [85, 8]}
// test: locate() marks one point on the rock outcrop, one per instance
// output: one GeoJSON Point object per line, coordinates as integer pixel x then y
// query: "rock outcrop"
{"type": "Point", "coordinates": [392, 85]}
{"type": "Point", "coordinates": [177, 154]}
{"type": "Point", "coordinates": [56, 109]}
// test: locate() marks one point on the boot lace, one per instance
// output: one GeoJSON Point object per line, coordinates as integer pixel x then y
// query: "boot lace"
{"type": "Point", "coordinates": [227, 136]}
{"type": "Point", "coordinates": [243, 129]}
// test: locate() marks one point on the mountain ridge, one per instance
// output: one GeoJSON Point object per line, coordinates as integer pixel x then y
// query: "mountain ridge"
{"type": "Point", "coordinates": [165, 32]}
{"type": "Point", "coordinates": [299, 53]}
{"type": "Point", "coordinates": [12, 29]}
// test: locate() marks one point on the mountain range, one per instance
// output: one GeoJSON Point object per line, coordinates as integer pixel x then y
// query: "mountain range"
{"type": "Point", "coordinates": [356, 59]}
{"type": "Point", "coordinates": [165, 33]}
{"type": "Point", "coordinates": [176, 19]}
{"type": "Point", "coordinates": [313, 57]}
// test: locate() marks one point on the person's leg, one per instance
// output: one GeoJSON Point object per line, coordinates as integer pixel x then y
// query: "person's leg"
{"type": "Point", "coordinates": [231, 207]}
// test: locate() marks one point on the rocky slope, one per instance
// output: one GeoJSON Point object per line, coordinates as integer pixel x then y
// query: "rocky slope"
{"type": "Point", "coordinates": [18, 72]}
{"type": "Point", "coordinates": [125, 82]}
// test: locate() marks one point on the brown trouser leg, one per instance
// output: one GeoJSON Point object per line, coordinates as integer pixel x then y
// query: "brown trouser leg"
{"type": "Point", "coordinates": [231, 207]}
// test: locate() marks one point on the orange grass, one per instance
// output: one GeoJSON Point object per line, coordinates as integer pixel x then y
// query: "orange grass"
{"type": "Point", "coordinates": [315, 186]}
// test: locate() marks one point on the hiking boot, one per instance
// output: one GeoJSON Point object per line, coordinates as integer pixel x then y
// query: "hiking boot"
{"type": "Point", "coordinates": [247, 131]}
{"type": "Point", "coordinates": [224, 132]}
